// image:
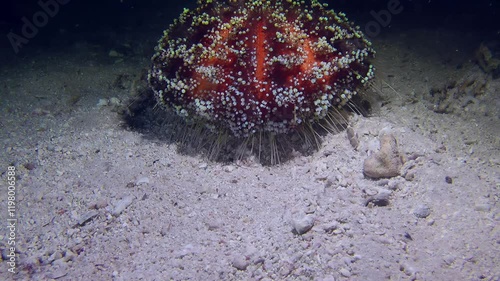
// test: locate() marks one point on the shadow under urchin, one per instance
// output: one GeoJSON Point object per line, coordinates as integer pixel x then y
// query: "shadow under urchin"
{"type": "Point", "coordinates": [195, 139]}
{"type": "Point", "coordinates": [257, 78]}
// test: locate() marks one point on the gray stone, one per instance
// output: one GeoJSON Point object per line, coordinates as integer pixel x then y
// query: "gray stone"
{"type": "Point", "coordinates": [59, 273]}
{"type": "Point", "coordinates": [142, 180]}
{"type": "Point", "coordinates": [482, 207]}
{"type": "Point", "coordinates": [87, 217]}
{"type": "Point", "coordinates": [353, 138]}
{"type": "Point", "coordinates": [102, 102]}
{"type": "Point", "coordinates": [345, 272]}
{"type": "Point", "coordinates": [122, 205]}
{"type": "Point", "coordinates": [114, 101]}
{"type": "Point", "coordinates": [422, 211]}
{"type": "Point", "coordinates": [303, 224]}
{"type": "Point", "coordinates": [240, 262]}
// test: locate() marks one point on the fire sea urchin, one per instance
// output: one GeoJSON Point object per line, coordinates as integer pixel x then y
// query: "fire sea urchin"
{"type": "Point", "coordinates": [259, 66]}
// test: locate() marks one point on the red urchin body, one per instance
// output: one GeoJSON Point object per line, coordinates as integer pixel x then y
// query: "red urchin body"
{"type": "Point", "coordinates": [253, 66]}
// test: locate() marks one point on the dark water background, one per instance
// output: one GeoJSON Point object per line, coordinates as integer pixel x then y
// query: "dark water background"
{"type": "Point", "coordinates": [95, 20]}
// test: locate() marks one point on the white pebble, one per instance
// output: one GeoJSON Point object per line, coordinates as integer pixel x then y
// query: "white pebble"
{"type": "Point", "coordinates": [240, 262]}
{"type": "Point", "coordinates": [59, 273]}
{"type": "Point", "coordinates": [114, 101]}
{"type": "Point", "coordinates": [229, 168]}
{"type": "Point", "coordinates": [87, 217]}
{"type": "Point", "coordinates": [122, 205]}
{"type": "Point", "coordinates": [143, 180]}
{"type": "Point", "coordinates": [303, 224]}
{"type": "Point", "coordinates": [422, 211]}
{"type": "Point", "coordinates": [344, 272]}
{"type": "Point", "coordinates": [482, 207]}
{"type": "Point", "coordinates": [102, 102]}
{"type": "Point", "coordinates": [115, 54]}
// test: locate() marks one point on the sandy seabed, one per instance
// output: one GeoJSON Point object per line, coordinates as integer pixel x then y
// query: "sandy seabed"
{"type": "Point", "coordinates": [96, 200]}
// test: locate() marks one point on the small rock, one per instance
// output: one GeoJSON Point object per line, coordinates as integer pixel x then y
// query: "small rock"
{"type": "Point", "coordinates": [394, 185]}
{"type": "Point", "coordinates": [55, 256]}
{"type": "Point", "coordinates": [214, 224]}
{"type": "Point", "coordinates": [407, 236]}
{"type": "Point", "coordinates": [240, 262]}
{"type": "Point", "coordinates": [408, 269]}
{"type": "Point", "coordinates": [345, 272]}
{"type": "Point", "coordinates": [449, 259]}
{"type": "Point", "coordinates": [353, 138]}
{"type": "Point", "coordinates": [71, 231]}
{"type": "Point", "coordinates": [482, 207]}
{"type": "Point", "coordinates": [115, 54]}
{"type": "Point", "coordinates": [370, 191]}
{"type": "Point", "coordinates": [114, 101]}
{"type": "Point", "coordinates": [69, 256]}
{"type": "Point", "coordinates": [228, 168]}
{"type": "Point", "coordinates": [40, 112]}
{"type": "Point", "coordinates": [122, 205]}
{"type": "Point", "coordinates": [87, 217]}
{"type": "Point", "coordinates": [303, 224]}
{"type": "Point", "coordinates": [448, 180]}
{"type": "Point", "coordinates": [164, 230]}
{"type": "Point", "coordinates": [381, 199]}
{"type": "Point", "coordinates": [143, 180]}
{"type": "Point", "coordinates": [387, 162]}
{"type": "Point", "coordinates": [59, 273]}
{"type": "Point", "coordinates": [29, 166]}
{"type": "Point", "coordinates": [76, 249]}
{"type": "Point", "coordinates": [495, 161]}
{"type": "Point", "coordinates": [330, 227]}
{"type": "Point", "coordinates": [32, 262]}
{"type": "Point", "coordinates": [422, 211]}
{"type": "Point", "coordinates": [410, 176]}
{"type": "Point", "coordinates": [101, 203]}
{"type": "Point", "coordinates": [383, 182]}
{"type": "Point", "coordinates": [102, 102]}
{"type": "Point", "coordinates": [188, 249]}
